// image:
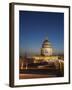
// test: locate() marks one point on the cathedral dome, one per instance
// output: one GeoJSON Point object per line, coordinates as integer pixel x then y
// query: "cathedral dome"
{"type": "Point", "coordinates": [46, 49]}
{"type": "Point", "coordinates": [46, 44]}
{"type": "Point", "coordinates": [45, 41]}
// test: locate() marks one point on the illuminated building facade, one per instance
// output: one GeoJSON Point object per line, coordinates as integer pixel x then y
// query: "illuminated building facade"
{"type": "Point", "coordinates": [46, 56]}
{"type": "Point", "coordinates": [46, 53]}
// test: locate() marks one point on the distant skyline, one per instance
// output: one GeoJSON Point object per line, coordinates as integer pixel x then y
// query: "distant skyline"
{"type": "Point", "coordinates": [35, 26]}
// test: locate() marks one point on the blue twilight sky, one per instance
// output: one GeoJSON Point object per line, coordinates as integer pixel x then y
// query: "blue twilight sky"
{"type": "Point", "coordinates": [36, 26]}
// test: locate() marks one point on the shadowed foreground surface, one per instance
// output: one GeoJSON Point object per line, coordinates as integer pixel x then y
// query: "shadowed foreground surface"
{"type": "Point", "coordinates": [39, 73]}
{"type": "Point", "coordinates": [28, 76]}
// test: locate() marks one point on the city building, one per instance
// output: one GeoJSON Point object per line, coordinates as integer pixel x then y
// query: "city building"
{"type": "Point", "coordinates": [46, 53]}
{"type": "Point", "coordinates": [46, 59]}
